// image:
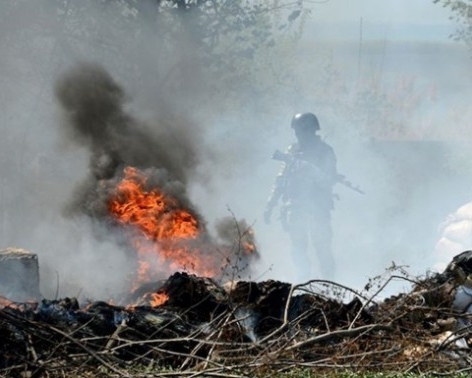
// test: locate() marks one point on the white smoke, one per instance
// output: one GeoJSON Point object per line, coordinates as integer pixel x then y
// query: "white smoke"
{"type": "Point", "coordinates": [410, 187]}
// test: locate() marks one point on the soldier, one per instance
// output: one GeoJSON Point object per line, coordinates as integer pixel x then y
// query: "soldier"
{"type": "Point", "coordinates": [304, 186]}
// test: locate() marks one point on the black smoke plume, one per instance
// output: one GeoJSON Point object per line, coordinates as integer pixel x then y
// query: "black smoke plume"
{"type": "Point", "coordinates": [93, 107]}
{"type": "Point", "coordinates": [94, 116]}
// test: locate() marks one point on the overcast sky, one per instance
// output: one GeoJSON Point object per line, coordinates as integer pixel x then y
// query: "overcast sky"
{"type": "Point", "coordinates": [381, 19]}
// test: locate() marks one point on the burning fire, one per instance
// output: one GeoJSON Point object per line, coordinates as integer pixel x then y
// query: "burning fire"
{"type": "Point", "coordinates": [158, 298]}
{"type": "Point", "coordinates": [7, 303]}
{"type": "Point", "coordinates": [164, 235]}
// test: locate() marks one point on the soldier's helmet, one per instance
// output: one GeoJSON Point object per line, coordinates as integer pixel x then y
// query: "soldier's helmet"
{"type": "Point", "coordinates": [305, 121]}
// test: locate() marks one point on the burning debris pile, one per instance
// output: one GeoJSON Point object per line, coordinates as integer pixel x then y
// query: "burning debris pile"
{"type": "Point", "coordinates": [247, 328]}
{"type": "Point", "coordinates": [137, 185]}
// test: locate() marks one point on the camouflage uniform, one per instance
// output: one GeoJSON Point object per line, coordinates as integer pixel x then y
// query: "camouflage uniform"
{"type": "Point", "coordinates": [304, 186]}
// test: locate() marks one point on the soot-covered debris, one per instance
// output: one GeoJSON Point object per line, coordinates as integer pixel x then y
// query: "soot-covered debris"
{"type": "Point", "coordinates": [245, 326]}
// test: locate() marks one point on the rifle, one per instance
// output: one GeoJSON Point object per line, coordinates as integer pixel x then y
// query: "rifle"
{"type": "Point", "coordinates": [286, 158]}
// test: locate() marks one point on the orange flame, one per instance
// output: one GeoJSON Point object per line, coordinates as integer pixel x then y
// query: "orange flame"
{"type": "Point", "coordinates": [158, 299]}
{"type": "Point", "coordinates": [166, 235]}
{"type": "Point", "coordinates": [5, 302]}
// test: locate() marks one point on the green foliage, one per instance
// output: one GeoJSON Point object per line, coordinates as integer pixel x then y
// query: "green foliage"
{"type": "Point", "coordinates": [222, 48]}
{"type": "Point", "coordinates": [240, 43]}
{"type": "Point", "coordinates": [461, 12]}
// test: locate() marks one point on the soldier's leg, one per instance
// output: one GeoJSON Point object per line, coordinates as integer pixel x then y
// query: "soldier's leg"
{"type": "Point", "coordinates": [321, 234]}
{"type": "Point", "coordinates": [297, 226]}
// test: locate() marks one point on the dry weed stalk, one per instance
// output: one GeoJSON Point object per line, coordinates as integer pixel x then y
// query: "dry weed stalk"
{"type": "Point", "coordinates": [400, 336]}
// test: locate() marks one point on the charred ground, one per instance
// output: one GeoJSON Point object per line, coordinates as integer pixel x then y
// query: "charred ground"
{"type": "Point", "coordinates": [241, 329]}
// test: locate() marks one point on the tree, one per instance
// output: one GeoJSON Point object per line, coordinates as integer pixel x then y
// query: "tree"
{"type": "Point", "coordinates": [462, 14]}
{"type": "Point", "coordinates": [231, 45]}
{"type": "Point", "coordinates": [199, 56]}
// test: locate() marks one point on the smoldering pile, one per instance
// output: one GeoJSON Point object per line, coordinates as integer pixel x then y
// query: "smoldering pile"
{"type": "Point", "coordinates": [246, 328]}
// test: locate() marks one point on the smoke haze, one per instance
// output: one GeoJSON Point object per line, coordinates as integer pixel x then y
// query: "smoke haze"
{"type": "Point", "coordinates": [94, 116]}
{"type": "Point", "coordinates": [394, 111]}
